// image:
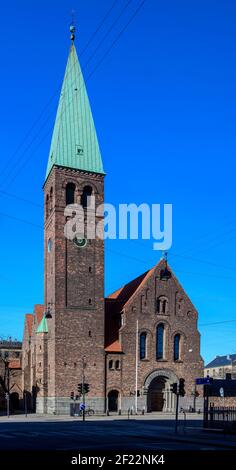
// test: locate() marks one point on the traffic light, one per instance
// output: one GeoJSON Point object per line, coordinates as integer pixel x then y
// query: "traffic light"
{"type": "Point", "coordinates": [72, 395]}
{"type": "Point", "coordinates": [174, 388]}
{"type": "Point", "coordinates": [79, 388]}
{"type": "Point", "coordinates": [86, 388]}
{"type": "Point", "coordinates": [181, 387]}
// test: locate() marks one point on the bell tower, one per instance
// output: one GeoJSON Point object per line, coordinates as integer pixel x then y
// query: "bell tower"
{"type": "Point", "coordinates": [74, 267]}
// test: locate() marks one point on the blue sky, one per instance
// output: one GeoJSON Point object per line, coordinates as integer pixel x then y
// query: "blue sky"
{"type": "Point", "coordinates": [164, 103]}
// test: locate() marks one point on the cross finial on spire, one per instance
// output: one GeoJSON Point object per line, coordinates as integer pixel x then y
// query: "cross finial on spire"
{"type": "Point", "coordinates": [72, 26]}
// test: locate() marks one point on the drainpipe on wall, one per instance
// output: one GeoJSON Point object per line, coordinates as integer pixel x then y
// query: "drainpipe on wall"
{"type": "Point", "coordinates": [105, 385]}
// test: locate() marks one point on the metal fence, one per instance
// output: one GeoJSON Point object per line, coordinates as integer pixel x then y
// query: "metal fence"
{"type": "Point", "coordinates": [220, 418]}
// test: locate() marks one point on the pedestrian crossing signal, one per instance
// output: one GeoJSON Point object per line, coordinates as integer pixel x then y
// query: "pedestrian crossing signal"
{"type": "Point", "coordinates": [181, 387]}
{"type": "Point", "coordinates": [174, 388]}
{"type": "Point", "coordinates": [86, 388]}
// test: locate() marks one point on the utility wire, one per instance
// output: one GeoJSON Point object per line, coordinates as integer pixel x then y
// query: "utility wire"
{"type": "Point", "coordinates": [20, 220]}
{"type": "Point", "coordinates": [202, 274]}
{"type": "Point", "coordinates": [53, 111]}
{"type": "Point", "coordinates": [57, 90]}
{"type": "Point", "coordinates": [14, 196]}
{"type": "Point", "coordinates": [85, 82]}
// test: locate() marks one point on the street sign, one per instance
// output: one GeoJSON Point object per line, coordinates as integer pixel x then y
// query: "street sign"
{"type": "Point", "coordinates": [204, 381]}
{"type": "Point", "coordinates": [222, 392]}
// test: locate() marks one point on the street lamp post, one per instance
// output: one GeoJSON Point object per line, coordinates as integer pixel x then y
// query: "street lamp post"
{"type": "Point", "coordinates": [83, 389]}
{"type": "Point", "coordinates": [25, 402]}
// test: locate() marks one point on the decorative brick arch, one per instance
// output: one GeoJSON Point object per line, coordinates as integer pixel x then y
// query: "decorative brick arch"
{"type": "Point", "coordinates": [167, 373]}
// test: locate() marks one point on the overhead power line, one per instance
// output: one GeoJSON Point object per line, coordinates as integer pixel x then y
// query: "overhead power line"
{"type": "Point", "coordinates": [55, 94]}
{"type": "Point", "coordinates": [88, 78]}
{"type": "Point", "coordinates": [134, 258]}
{"type": "Point", "coordinates": [57, 90]}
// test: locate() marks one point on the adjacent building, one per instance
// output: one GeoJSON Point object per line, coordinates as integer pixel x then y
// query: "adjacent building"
{"type": "Point", "coordinates": [220, 366]}
{"type": "Point", "coordinates": [10, 373]}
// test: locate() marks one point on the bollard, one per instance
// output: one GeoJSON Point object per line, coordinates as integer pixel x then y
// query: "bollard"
{"type": "Point", "coordinates": [119, 412]}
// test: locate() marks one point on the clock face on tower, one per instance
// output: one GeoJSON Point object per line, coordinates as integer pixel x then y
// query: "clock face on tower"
{"type": "Point", "coordinates": [80, 242]}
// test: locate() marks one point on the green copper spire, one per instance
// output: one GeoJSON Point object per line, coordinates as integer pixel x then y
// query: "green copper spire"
{"type": "Point", "coordinates": [74, 141]}
{"type": "Point", "coordinates": [43, 326]}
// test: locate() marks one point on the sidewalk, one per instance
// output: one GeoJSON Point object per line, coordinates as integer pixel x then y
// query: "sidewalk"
{"type": "Point", "coordinates": [112, 417]}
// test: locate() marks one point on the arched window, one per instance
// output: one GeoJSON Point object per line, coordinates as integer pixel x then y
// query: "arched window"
{"type": "Point", "coordinates": [70, 193]}
{"type": "Point", "coordinates": [110, 365]}
{"type": "Point", "coordinates": [87, 192]}
{"type": "Point", "coordinates": [176, 347]}
{"type": "Point", "coordinates": [162, 304]}
{"type": "Point", "coordinates": [49, 245]}
{"type": "Point", "coordinates": [117, 365]}
{"type": "Point", "coordinates": [160, 341]}
{"type": "Point", "coordinates": [142, 351]}
{"type": "Point", "coordinates": [47, 205]}
{"type": "Point", "coordinates": [50, 202]}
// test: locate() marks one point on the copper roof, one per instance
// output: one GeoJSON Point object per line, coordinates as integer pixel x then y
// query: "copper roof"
{"type": "Point", "coordinates": [114, 347]}
{"type": "Point", "coordinates": [14, 364]}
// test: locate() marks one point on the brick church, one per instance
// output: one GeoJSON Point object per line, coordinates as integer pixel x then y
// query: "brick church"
{"type": "Point", "coordinates": [134, 343]}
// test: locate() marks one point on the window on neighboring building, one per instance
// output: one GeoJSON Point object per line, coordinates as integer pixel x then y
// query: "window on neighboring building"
{"type": "Point", "coordinates": [143, 340]}
{"type": "Point", "coordinates": [176, 347]}
{"type": "Point", "coordinates": [220, 372]}
{"type": "Point", "coordinates": [117, 365]}
{"type": "Point", "coordinates": [160, 341]}
{"type": "Point", "coordinates": [87, 192]}
{"type": "Point", "coordinates": [214, 372]}
{"type": "Point", "coordinates": [110, 365]}
{"type": "Point", "coordinates": [70, 193]}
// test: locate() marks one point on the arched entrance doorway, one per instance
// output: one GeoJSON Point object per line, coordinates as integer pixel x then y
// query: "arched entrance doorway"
{"type": "Point", "coordinates": [113, 396]}
{"type": "Point", "coordinates": [156, 399]}
{"type": "Point", "coordinates": [14, 400]}
{"type": "Point", "coordinates": [159, 396]}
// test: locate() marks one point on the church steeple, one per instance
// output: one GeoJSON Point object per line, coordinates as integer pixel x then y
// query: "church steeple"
{"type": "Point", "coordinates": [74, 142]}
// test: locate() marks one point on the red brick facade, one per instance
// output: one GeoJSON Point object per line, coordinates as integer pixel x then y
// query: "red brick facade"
{"type": "Point", "coordinates": [105, 332]}
{"type": "Point", "coordinates": [79, 324]}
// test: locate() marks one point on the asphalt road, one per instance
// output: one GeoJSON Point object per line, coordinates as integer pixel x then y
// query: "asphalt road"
{"type": "Point", "coordinates": [107, 435]}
